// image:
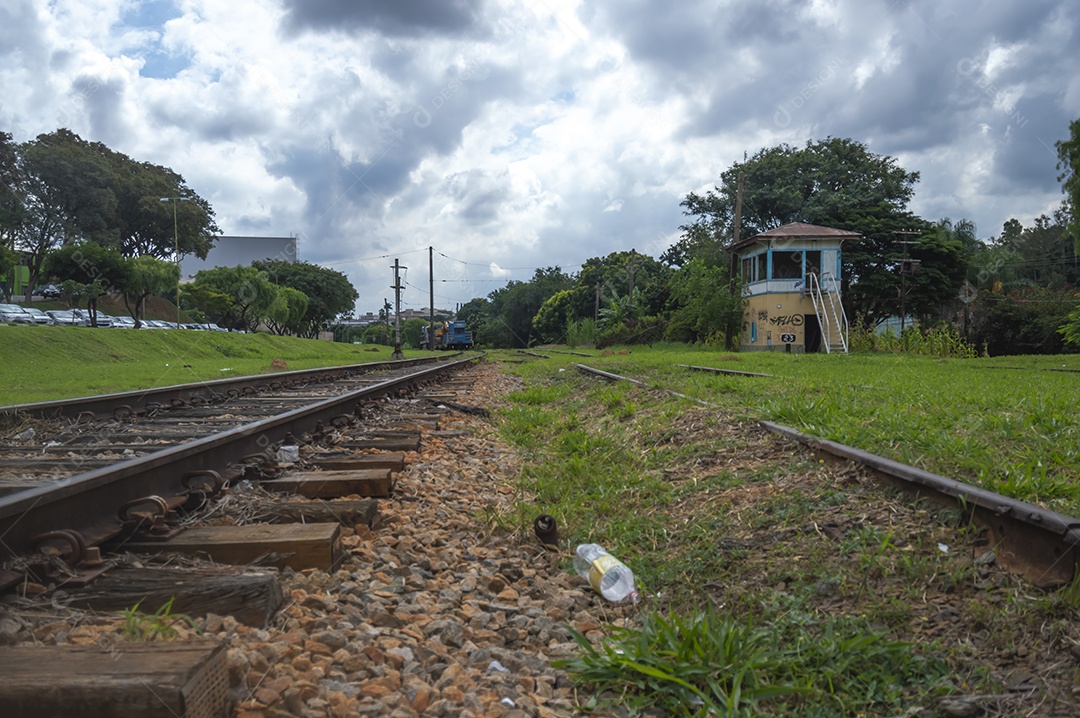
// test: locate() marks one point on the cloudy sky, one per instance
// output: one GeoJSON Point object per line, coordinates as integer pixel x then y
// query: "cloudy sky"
{"type": "Point", "coordinates": [511, 134]}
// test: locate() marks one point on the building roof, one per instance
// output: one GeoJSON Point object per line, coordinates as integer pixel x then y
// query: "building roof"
{"type": "Point", "coordinates": [797, 230]}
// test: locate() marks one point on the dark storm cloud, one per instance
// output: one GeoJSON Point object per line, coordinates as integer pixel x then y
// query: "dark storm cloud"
{"type": "Point", "coordinates": [389, 17]}
{"type": "Point", "coordinates": [1024, 135]}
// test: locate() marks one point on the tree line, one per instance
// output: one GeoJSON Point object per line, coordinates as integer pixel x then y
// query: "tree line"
{"type": "Point", "coordinates": [103, 223]}
{"type": "Point", "coordinates": [1012, 293]}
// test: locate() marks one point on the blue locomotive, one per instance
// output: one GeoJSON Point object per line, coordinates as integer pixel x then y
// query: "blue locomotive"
{"type": "Point", "coordinates": [449, 335]}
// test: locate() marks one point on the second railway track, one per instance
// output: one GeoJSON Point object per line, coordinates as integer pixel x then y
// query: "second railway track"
{"type": "Point", "coordinates": [84, 493]}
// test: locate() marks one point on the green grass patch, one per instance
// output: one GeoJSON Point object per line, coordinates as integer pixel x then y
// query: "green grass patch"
{"type": "Point", "coordinates": [45, 363]}
{"type": "Point", "coordinates": [815, 574]}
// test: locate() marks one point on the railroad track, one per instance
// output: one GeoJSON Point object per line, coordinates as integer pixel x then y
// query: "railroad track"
{"type": "Point", "coordinates": [1041, 545]}
{"type": "Point", "coordinates": [86, 480]}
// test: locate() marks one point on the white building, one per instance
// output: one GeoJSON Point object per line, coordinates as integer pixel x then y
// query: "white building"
{"type": "Point", "coordinates": [240, 251]}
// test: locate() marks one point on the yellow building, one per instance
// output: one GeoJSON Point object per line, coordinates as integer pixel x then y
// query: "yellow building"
{"type": "Point", "coordinates": [791, 282]}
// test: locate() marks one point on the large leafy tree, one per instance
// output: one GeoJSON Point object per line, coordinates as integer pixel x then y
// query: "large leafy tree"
{"type": "Point", "coordinates": [147, 196]}
{"type": "Point", "coordinates": [1069, 164]}
{"type": "Point", "coordinates": [64, 190]}
{"type": "Point", "coordinates": [330, 293]}
{"type": "Point", "coordinates": [835, 183]}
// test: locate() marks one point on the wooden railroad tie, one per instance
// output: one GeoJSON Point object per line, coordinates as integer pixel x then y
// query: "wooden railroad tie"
{"type": "Point", "coordinates": [121, 680]}
{"type": "Point", "coordinates": [251, 596]}
{"type": "Point", "coordinates": [334, 484]}
{"type": "Point", "coordinates": [297, 546]}
{"type": "Point", "coordinates": [395, 461]}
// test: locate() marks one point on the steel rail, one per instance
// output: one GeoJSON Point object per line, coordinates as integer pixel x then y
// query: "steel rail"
{"type": "Point", "coordinates": [140, 398]}
{"type": "Point", "coordinates": [1040, 544]}
{"type": "Point", "coordinates": [88, 502]}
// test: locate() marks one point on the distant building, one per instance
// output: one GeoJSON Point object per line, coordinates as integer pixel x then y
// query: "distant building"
{"type": "Point", "coordinates": [240, 251]}
{"type": "Point", "coordinates": [791, 282]}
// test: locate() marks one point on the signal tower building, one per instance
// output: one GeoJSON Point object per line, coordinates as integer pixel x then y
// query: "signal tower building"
{"type": "Point", "coordinates": [791, 281]}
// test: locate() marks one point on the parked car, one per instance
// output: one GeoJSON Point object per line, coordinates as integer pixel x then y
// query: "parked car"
{"type": "Point", "coordinates": [68, 318]}
{"type": "Point", "coordinates": [14, 314]}
{"type": "Point", "coordinates": [49, 291]}
{"type": "Point", "coordinates": [123, 322]}
{"type": "Point", "coordinates": [103, 320]}
{"type": "Point", "coordinates": [39, 316]}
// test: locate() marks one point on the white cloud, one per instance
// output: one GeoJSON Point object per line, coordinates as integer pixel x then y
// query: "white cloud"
{"type": "Point", "coordinates": [495, 131]}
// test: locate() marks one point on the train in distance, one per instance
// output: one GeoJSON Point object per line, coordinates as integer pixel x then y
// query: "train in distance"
{"type": "Point", "coordinates": [449, 335]}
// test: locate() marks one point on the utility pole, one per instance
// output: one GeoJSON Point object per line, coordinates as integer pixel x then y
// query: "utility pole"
{"type": "Point", "coordinates": [596, 311]}
{"type": "Point", "coordinates": [431, 295]}
{"type": "Point", "coordinates": [733, 260]}
{"type": "Point", "coordinates": [906, 268]}
{"type": "Point", "coordinates": [397, 312]}
{"type": "Point", "coordinates": [737, 229]}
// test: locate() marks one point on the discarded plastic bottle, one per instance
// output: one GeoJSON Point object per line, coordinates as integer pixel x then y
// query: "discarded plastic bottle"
{"type": "Point", "coordinates": [608, 576]}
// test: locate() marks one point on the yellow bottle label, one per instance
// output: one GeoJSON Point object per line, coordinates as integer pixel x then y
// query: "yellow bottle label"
{"type": "Point", "coordinates": [599, 567]}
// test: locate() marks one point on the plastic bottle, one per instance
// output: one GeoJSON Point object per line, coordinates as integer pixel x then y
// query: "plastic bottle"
{"type": "Point", "coordinates": [609, 576]}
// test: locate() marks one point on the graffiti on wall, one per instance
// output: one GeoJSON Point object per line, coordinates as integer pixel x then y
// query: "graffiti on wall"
{"type": "Point", "coordinates": [790, 320]}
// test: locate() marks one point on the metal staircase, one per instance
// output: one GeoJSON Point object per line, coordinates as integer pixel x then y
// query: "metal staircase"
{"type": "Point", "coordinates": [824, 292]}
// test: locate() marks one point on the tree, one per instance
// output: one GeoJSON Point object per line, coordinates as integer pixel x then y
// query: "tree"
{"type": "Point", "coordinates": [835, 183]}
{"type": "Point", "coordinates": [147, 276]}
{"type": "Point", "coordinates": [144, 224]}
{"type": "Point", "coordinates": [703, 307]}
{"type": "Point", "coordinates": [286, 315]}
{"type": "Point", "coordinates": [412, 331]}
{"type": "Point", "coordinates": [94, 271]}
{"type": "Point", "coordinates": [1070, 330]}
{"type": "Point", "coordinates": [329, 292]}
{"type": "Point", "coordinates": [514, 306]}
{"type": "Point", "coordinates": [11, 205]}
{"type": "Point", "coordinates": [251, 294]}
{"type": "Point", "coordinates": [67, 189]}
{"type": "Point", "coordinates": [476, 313]}
{"type": "Point", "coordinates": [65, 194]}
{"type": "Point", "coordinates": [1027, 321]}
{"type": "Point", "coordinates": [205, 302]}
{"type": "Point", "coordinates": [1069, 164]}
{"type": "Point", "coordinates": [553, 316]}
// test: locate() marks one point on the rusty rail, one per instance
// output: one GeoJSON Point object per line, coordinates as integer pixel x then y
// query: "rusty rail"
{"type": "Point", "coordinates": [1041, 545]}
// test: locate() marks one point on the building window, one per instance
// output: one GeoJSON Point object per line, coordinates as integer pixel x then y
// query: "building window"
{"type": "Point", "coordinates": [787, 265]}
{"type": "Point", "coordinates": [762, 266]}
{"type": "Point", "coordinates": [813, 262]}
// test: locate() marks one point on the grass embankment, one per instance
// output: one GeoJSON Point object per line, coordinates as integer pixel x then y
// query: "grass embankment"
{"type": "Point", "coordinates": [45, 363]}
{"type": "Point", "coordinates": [1008, 424]}
{"type": "Point", "coordinates": [817, 577]}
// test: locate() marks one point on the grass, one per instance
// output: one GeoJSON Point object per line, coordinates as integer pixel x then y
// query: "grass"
{"type": "Point", "coordinates": [1015, 431]}
{"type": "Point", "coordinates": [843, 599]}
{"type": "Point", "coordinates": [161, 624]}
{"type": "Point", "coordinates": [44, 363]}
